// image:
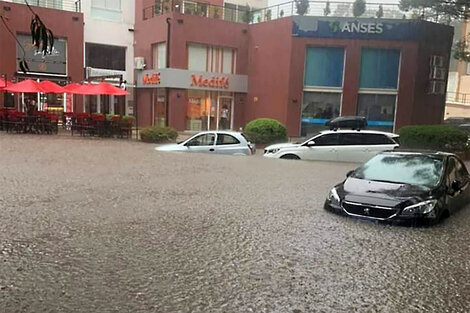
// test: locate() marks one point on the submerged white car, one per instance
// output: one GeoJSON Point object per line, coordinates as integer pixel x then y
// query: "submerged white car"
{"type": "Point", "coordinates": [340, 145]}
{"type": "Point", "coordinates": [216, 142]}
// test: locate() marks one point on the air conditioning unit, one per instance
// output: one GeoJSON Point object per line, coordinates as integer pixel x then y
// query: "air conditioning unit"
{"type": "Point", "coordinates": [139, 63]}
{"type": "Point", "coordinates": [438, 73]}
{"type": "Point", "coordinates": [437, 88]}
{"type": "Point", "coordinates": [437, 61]}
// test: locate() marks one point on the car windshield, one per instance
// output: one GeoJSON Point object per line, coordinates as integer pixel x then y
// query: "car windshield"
{"type": "Point", "coordinates": [311, 137]}
{"type": "Point", "coordinates": [412, 169]}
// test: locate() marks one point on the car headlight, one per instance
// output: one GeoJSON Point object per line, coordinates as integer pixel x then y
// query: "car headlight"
{"type": "Point", "coordinates": [273, 150]}
{"type": "Point", "coordinates": [424, 207]}
{"type": "Point", "coordinates": [333, 197]}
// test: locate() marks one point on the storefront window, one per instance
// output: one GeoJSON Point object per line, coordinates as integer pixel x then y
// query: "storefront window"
{"type": "Point", "coordinates": [317, 108]}
{"type": "Point", "coordinates": [324, 67]}
{"type": "Point", "coordinates": [379, 68]}
{"type": "Point", "coordinates": [378, 109]}
{"type": "Point", "coordinates": [8, 100]}
{"type": "Point", "coordinates": [196, 117]}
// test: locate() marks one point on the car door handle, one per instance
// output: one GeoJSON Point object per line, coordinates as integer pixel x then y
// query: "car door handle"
{"type": "Point", "coordinates": [211, 149]}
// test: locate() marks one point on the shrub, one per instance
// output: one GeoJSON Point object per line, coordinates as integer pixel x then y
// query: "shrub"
{"type": "Point", "coordinates": [265, 131]}
{"type": "Point", "coordinates": [433, 137]}
{"type": "Point", "coordinates": [158, 134]}
{"type": "Point", "coordinates": [129, 118]}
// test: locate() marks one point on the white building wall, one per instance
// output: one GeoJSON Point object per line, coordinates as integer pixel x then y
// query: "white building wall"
{"type": "Point", "coordinates": [113, 26]}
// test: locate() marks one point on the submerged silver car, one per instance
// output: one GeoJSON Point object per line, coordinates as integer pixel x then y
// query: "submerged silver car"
{"type": "Point", "coordinates": [217, 142]}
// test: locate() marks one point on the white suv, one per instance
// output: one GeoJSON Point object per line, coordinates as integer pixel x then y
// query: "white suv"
{"type": "Point", "coordinates": [340, 145]}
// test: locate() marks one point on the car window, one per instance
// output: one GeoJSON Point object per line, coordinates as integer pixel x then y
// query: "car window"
{"type": "Point", "coordinates": [327, 140]}
{"type": "Point", "coordinates": [225, 139]}
{"type": "Point", "coordinates": [457, 171]}
{"type": "Point", "coordinates": [377, 139]}
{"type": "Point", "coordinates": [352, 139]}
{"type": "Point", "coordinates": [202, 140]}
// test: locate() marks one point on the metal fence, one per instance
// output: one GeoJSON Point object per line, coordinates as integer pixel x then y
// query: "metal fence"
{"type": "Point", "coordinates": [65, 5]}
{"type": "Point", "coordinates": [244, 14]}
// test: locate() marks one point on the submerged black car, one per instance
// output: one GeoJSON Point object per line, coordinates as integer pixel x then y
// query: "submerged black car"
{"type": "Point", "coordinates": [403, 187]}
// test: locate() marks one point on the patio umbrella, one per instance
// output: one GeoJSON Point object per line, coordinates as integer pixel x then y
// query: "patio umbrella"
{"type": "Point", "coordinates": [25, 86]}
{"type": "Point", "coordinates": [85, 89]}
{"type": "Point", "coordinates": [104, 88]}
{"type": "Point", "coordinates": [4, 84]}
{"type": "Point", "coordinates": [70, 87]}
{"type": "Point", "coordinates": [50, 87]}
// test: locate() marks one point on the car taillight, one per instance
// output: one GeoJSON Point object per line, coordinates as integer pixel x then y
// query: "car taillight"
{"type": "Point", "coordinates": [252, 148]}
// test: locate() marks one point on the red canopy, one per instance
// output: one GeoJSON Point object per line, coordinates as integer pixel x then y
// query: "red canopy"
{"type": "Point", "coordinates": [50, 87]}
{"type": "Point", "coordinates": [4, 84]}
{"type": "Point", "coordinates": [108, 89]}
{"type": "Point", "coordinates": [92, 89]}
{"type": "Point", "coordinates": [26, 86]}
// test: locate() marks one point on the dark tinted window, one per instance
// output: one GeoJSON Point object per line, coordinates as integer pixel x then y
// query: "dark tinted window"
{"type": "Point", "coordinates": [327, 140]}
{"type": "Point", "coordinates": [377, 139]}
{"type": "Point", "coordinates": [456, 171]}
{"type": "Point", "coordinates": [352, 139]}
{"type": "Point", "coordinates": [105, 57]}
{"type": "Point", "coordinates": [224, 139]}
{"type": "Point", "coordinates": [202, 140]}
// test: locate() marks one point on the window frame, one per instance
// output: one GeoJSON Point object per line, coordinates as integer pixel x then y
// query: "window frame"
{"type": "Point", "coordinates": [94, 6]}
{"type": "Point", "coordinates": [315, 139]}
{"type": "Point", "coordinates": [199, 136]}
{"type": "Point", "coordinates": [237, 142]}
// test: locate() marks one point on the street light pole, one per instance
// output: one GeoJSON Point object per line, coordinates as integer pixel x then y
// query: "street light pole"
{"type": "Point", "coordinates": [167, 97]}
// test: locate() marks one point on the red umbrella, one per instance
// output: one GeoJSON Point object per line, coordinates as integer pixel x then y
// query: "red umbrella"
{"type": "Point", "coordinates": [85, 89]}
{"type": "Point", "coordinates": [25, 86]}
{"type": "Point", "coordinates": [50, 87]}
{"type": "Point", "coordinates": [108, 89]}
{"type": "Point", "coordinates": [70, 87]}
{"type": "Point", "coordinates": [4, 84]}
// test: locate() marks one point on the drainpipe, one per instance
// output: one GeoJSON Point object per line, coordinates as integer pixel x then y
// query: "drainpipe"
{"type": "Point", "coordinates": [167, 97]}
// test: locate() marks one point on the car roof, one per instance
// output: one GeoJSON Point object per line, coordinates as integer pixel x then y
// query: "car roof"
{"type": "Point", "coordinates": [418, 152]}
{"type": "Point", "coordinates": [348, 131]}
{"type": "Point", "coordinates": [229, 132]}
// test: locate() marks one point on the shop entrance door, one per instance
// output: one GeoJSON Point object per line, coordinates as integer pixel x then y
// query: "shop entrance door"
{"type": "Point", "coordinates": [224, 112]}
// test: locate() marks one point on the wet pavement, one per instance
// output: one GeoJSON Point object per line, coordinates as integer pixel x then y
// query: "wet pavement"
{"type": "Point", "coordinates": [113, 226]}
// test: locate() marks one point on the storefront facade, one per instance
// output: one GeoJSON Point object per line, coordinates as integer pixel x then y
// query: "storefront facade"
{"type": "Point", "coordinates": [300, 70]}
{"type": "Point", "coordinates": [63, 65]}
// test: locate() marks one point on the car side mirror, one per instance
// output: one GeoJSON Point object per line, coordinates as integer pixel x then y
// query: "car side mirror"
{"type": "Point", "coordinates": [311, 143]}
{"type": "Point", "coordinates": [456, 186]}
{"type": "Point", "coordinates": [348, 174]}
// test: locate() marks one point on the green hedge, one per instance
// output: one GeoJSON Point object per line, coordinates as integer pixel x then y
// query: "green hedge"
{"type": "Point", "coordinates": [434, 137]}
{"type": "Point", "coordinates": [158, 134]}
{"type": "Point", "coordinates": [265, 131]}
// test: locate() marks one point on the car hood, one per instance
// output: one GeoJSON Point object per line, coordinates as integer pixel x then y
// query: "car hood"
{"type": "Point", "coordinates": [282, 146]}
{"type": "Point", "coordinates": [171, 147]}
{"type": "Point", "coordinates": [382, 193]}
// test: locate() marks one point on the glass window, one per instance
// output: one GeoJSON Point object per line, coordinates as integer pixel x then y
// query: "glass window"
{"type": "Point", "coordinates": [378, 109]}
{"type": "Point", "coordinates": [105, 57]}
{"type": "Point", "coordinates": [159, 55]}
{"type": "Point", "coordinates": [197, 57]}
{"type": "Point", "coordinates": [327, 140]}
{"type": "Point", "coordinates": [107, 4]}
{"type": "Point", "coordinates": [224, 139]}
{"type": "Point", "coordinates": [379, 68]}
{"type": "Point", "coordinates": [377, 139]}
{"type": "Point", "coordinates": [318, 107]}
{"type": "Point", "coordinates": [352, 139]}
{"type": "Point", "coordinates": [456, 171]}
{"type": "Point", "coordinates": [402, 169]}
{"type": "Point", "coordinates": [324, 67]}
{"type": "Point", "coordinates": [230, 11]}
{"type": "Point", "coordinates": [202, 140]}
{"type": "Point", "coordinates": [227, 61]}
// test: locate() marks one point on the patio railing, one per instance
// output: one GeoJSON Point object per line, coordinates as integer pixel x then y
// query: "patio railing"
{"type": "Point", "coordinates": [65, 5]}
{"type": "Point", "coordinates": [243, 14]}
{"type": "Point", "coordinates": [458, 98]}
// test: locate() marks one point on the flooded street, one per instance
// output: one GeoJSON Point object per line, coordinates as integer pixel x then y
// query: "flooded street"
{"type": "Point", "coordinates": [113, 226]}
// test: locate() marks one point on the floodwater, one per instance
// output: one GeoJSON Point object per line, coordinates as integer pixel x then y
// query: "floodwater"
{"type": "Point", "coordinates": [113, 226]}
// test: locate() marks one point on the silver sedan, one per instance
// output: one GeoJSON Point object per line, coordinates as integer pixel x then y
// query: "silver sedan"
{"type": "Point", "coordinates": [217, 142]}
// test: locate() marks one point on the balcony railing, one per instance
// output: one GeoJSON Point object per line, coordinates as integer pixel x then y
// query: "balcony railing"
{"type": "Point", "coordinates": [65, 5]}
{"type": "Point", "coordinates": [458, 98]}
{"type": "Point", "coordinates": [245, 15]}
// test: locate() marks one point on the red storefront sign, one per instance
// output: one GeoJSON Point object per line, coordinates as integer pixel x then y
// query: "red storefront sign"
{"type": "Point", "coordinates": [151, 79]}
{"type": "Point", "coordinates": [214, 82]}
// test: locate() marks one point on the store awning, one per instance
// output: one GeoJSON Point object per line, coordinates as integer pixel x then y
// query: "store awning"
{"type": "Point", "coordinates": [50, 87]}
{"type": "Point", "coordinates": [25, 86]}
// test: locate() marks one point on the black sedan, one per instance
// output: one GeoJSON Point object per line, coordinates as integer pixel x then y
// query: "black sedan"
{"type": "Point", "coordinates": [403, 187]}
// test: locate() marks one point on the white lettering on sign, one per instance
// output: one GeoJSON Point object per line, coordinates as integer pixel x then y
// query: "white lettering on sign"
{"type": "Point", "coordinates": [364, 28]}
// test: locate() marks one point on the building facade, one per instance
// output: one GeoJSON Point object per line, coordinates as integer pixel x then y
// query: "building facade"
{"type": "Point", "coordinates": [458, 87]}
{"type": "Point", "coordinates": [298, 70]}
{"type": "Point", "coordinates": [63, 65]}
{"type": "Point", "coordinates": [109, 52]}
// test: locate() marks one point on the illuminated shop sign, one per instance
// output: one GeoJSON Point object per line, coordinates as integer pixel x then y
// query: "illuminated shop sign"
{"type": "Point", "coordinates": [151, 79]}
{"type": "Point", "coordinates": [355, 28]}
{"type": "Point", "coordinates": [213, 82]}
{"type": "Point", "coordinates": [185, 79]}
